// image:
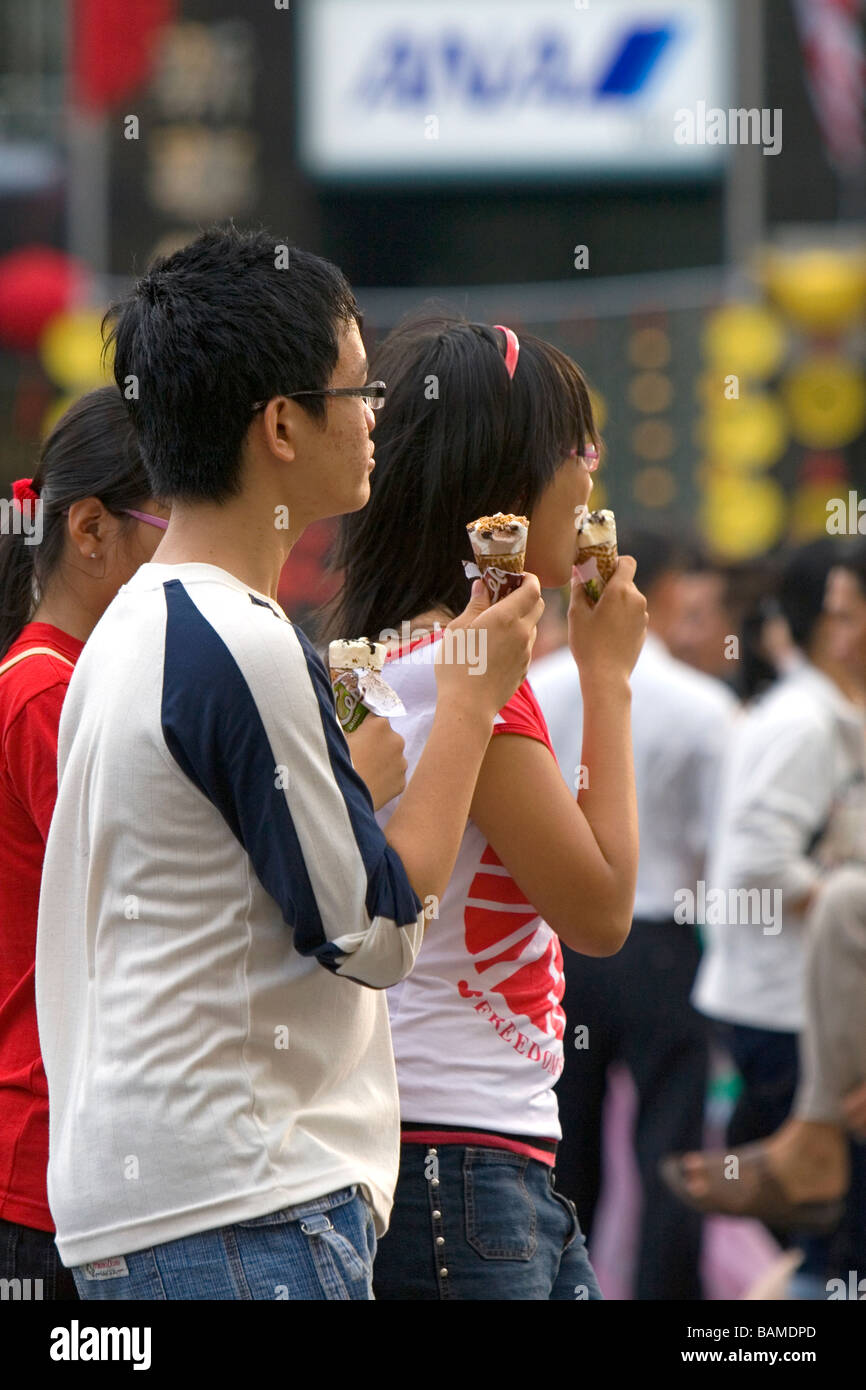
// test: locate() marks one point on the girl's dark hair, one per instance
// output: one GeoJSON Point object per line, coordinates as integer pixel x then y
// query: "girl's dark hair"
{"type": "Point", "coordinates": [91, 452]}
{"type": "Point", "coordinates": [456, 439]}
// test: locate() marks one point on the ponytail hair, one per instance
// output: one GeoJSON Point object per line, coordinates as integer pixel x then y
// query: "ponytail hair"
{"type": "Point", "coordinates": [91, 452]}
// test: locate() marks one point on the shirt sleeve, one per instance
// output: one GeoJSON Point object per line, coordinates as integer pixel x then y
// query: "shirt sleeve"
{"type": "Point", "coordinates": [30, 754]}
{"type": "Point", "coordinates": [253, 726]}
{"type": "Point", "coordinates": [522, 715]}
{"type": "Point", "coordinates": [779, 809]}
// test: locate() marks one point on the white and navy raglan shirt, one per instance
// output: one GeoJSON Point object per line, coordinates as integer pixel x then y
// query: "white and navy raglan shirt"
{"type": "Point", "coordinates": [216, 896]}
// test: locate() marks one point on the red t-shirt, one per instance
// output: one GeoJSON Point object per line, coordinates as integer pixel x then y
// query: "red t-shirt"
{"type": "Point", "coordinates": [31, 697]}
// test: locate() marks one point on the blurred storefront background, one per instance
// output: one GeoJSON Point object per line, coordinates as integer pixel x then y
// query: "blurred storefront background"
{"type": "Point", "coordinates": [586, 171]}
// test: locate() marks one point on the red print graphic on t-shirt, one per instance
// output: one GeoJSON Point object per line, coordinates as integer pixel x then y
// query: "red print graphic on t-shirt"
{"type": "Point", "coordinates": [515, 955]}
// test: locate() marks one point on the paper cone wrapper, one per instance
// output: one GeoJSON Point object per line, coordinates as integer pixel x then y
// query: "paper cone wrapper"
{"type": "Point", "coordinates": [351, 711]}
{"type": "Point", "coordinates": [501, 573]}
{"type": "Point", "coordinates": [359, 691]}
{"type": "Point", "coordinates": [595, 564]}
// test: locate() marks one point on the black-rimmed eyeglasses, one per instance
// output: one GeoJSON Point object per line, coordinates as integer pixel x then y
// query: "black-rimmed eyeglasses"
{"type": "Point", "coordinates": [373, 394]}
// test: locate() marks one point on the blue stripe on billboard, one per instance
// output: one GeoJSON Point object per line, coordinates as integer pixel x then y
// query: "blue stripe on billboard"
{"type": "Point", "coordinates": [632, 66]}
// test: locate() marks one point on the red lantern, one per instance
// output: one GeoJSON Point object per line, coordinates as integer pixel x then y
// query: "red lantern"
{"type": "Point", "coordinates": [113, 48]}
{"type": "Point", "coordinates": [36, 282]}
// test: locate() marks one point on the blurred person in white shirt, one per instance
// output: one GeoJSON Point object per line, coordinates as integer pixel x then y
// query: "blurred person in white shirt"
{"type": "Point", "coordinates": [634, 1007]}
{"type": "Point", "coordinates": [792, 807]}
{"type": "Point", "coordinates": [796, 758]}
{"type": "Point", "coordinates": [797, 1177]}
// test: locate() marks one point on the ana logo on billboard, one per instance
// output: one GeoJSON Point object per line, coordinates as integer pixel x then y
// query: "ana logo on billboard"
{"type": "Point", "coordinates": [409, 71]}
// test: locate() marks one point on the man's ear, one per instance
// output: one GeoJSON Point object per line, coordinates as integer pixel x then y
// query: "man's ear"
{"type": "Point", "coordinates": [277, 422]}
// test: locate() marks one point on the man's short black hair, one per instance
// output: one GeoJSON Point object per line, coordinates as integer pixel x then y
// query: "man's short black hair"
{"type": "Point", "coordinates": [231, 319]}
{"type": "Point", "coordinates": [803, 579]}
{"type": "Point", "coordinates": [851, 556]}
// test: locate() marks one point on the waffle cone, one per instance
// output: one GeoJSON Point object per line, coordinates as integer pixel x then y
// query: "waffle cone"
{"type": "Point", "coordinates": [605, 557]}
{"type": "Point", "coordinates": [512, 564]}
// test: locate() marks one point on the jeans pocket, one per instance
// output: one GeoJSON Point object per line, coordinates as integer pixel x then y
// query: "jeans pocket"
{"type": "Point", "coordinates": [574, 1229]}
{"type": "Point", "coordinates": [499, 1211]}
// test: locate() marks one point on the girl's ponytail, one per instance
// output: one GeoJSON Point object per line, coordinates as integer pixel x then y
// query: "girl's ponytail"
{"type": "Point", "coordinates": [91, 452]}
{"type": "Point", "coordinates": [18, 543]}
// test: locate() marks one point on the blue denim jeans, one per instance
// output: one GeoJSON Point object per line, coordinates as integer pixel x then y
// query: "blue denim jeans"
{"type": "Point", "coordinates": [319, 1250]}
{"type": "Point", "coordinates": [31, 1256]}
{"type": "Point", "coordinates": [480, 1223]}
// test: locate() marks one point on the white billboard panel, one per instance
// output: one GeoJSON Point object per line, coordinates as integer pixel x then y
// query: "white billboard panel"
{"type": "Point", "coordinates": [451, 88]}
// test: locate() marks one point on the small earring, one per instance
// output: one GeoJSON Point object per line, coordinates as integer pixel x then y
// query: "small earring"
{"type": "Point", "coordinates": [93, 554]}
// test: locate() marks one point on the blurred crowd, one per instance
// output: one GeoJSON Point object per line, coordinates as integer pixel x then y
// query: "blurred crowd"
{"type": "Point", "coordinates": [748, 949]}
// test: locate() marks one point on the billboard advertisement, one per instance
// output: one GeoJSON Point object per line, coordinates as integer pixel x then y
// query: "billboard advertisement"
{"type": "Point", "coordinates": [506, 88]}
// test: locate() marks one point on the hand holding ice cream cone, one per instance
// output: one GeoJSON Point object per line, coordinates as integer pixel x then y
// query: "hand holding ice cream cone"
{"type": "Point", "coordinates": [606, 636]}
{"type": "Point", "coordinates": [499, 636]}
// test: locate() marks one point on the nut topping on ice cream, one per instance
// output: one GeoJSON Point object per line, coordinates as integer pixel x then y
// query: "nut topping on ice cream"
{"type": "Point", "coordinates": [499, 547]}
{"type": "Point", "coordinates": [501, 534]}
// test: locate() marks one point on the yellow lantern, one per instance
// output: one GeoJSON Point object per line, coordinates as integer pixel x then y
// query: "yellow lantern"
{"type": "Point", "coordinates": [821, 288]}
{"type": "Point", "coordinates": [71, 351]}
{"type": "Point", "coordinates": [826, 401]}
{"type": "Point", "coordinates": [745, 434]}
{"type": "Point", "coordinates": [741, 517]}
{"type": "Point", "coordinates": [744, 340]}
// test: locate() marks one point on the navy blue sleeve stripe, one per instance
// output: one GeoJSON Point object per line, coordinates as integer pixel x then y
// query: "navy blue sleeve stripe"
{"type": "Point", "coordinates": [389, 892]}
{"type": "Point", "coordinates": [213, 729]}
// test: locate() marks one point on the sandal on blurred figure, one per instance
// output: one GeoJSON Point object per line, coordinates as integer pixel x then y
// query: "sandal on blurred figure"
{"type": "Point", "coordinates": [795, 1181]}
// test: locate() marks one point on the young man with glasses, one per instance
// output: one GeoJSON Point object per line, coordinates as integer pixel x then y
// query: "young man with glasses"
{"type": "Point", "coordinates": [220, 913]}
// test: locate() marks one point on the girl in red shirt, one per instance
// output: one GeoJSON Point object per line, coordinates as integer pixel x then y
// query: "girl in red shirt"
{"type": "Point", "coordinates": [76, 532]}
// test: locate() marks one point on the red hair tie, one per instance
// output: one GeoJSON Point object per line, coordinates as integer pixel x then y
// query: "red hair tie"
{"type": "Point", "coordinates": [22, 491]}
{"type": "Point", "coordinates": [512, 349]}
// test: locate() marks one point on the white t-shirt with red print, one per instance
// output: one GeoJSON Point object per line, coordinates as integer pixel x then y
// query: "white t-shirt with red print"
{"type": "Point", "coordinates": [478, 1025]}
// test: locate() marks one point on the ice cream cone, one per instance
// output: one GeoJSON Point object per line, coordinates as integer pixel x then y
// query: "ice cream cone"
{"type": "Point", "coordinates": [512, 564]}
{"type": "Point", "coordinates": [356, 680]}
{"type": "Point", "coordinates": [346, 659]}
{"type": "Point", "coordinates": [499, 547]}
{"type": "Point", "coordinates": [597, 556]}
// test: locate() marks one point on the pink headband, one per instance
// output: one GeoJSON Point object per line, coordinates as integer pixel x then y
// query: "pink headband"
{"type": "Point", "coordinates": [512, 349]}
